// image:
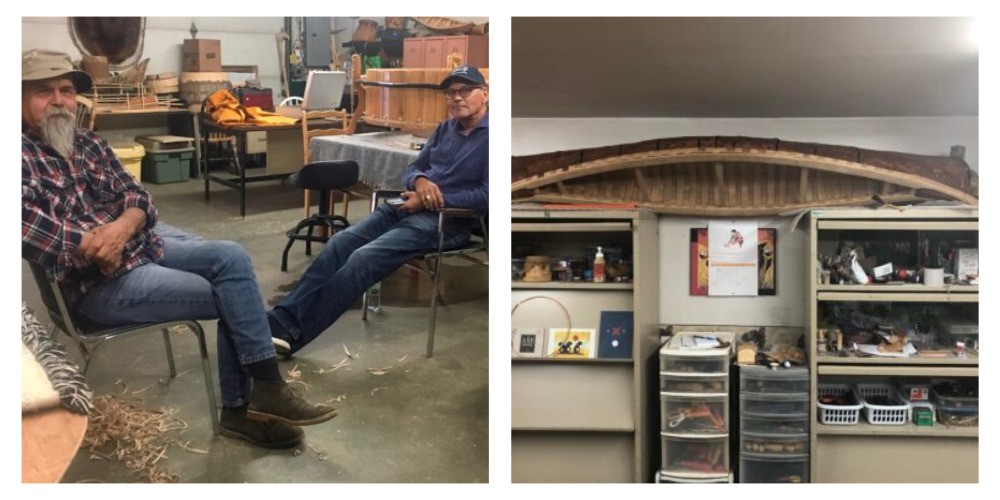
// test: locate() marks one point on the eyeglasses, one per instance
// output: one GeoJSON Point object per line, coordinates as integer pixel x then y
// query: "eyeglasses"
{"type": "Point", "coordinates": [464, 92]}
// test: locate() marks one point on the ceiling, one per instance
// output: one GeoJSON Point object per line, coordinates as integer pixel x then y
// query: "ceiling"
{"type": "Point", "coordinates": [743, 67]}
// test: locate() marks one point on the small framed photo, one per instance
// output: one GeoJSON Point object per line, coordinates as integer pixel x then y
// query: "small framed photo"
{"type": "Point", "coordinates": [578, 343]}
{"type": "Point", "coordinates": [528, 343]}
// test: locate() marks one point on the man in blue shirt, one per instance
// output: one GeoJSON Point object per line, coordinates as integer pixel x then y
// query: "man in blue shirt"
{"type": "Point", "coordinates": [451, 171]}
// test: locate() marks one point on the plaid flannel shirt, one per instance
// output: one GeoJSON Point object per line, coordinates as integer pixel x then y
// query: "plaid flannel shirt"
{"type": "Point", "coordinates": [61, 201]}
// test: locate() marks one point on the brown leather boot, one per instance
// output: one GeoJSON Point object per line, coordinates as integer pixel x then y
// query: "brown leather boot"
{"type": "Point", "coordinates": [274, 400]}
{"type": "Point", "coordinates": [271, 434]}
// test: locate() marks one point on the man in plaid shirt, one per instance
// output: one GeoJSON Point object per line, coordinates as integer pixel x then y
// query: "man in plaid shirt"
{"type": "Point", "coordinates": [94, 228]}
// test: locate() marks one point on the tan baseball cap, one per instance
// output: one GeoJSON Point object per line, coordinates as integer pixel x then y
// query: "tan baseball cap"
{"type": "Point", "coordinates": [38, 64]}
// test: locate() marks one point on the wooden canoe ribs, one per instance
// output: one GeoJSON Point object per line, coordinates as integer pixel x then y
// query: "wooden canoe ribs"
{"type": "Point", "coordinates": [716, 176]}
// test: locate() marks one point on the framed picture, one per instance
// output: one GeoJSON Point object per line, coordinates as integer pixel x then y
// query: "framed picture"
{"type": "Point", "coordinates": [615, 338]}
{"type": "Point", "coordinates": [699, 261]}
{"type": "Point", "coordinates": [767, 269]}
{"type": "Point", "coordinates": [578, 343]}
{"type": "Point", "coordinates": [528, 343]}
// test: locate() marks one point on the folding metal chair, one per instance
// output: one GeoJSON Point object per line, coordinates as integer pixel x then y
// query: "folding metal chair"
{"type": "Point", "coordinates": [89, 338]}
{"type": "Point", "coordinates": [429, 262]}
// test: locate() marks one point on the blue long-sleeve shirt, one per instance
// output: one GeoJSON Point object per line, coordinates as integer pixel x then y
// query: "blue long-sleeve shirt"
{"type": "Point", "coordinates": [457, 163]}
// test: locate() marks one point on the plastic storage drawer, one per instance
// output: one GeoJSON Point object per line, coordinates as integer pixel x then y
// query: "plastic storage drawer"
{"type": "Point", "coordinates": [957, 403]}
{"type": "Point", "coordinates": [774, 404]}
{"type": "Point", "coordinates": [774, 444]}
{"type": "Point", "coordinates": [694, 413]}
{"type": "Point", "coordinates": [765, 380]}
{"type": "Point", "coordinates": [686, 453]}
{"type": "Point", "coordinates": [695, 362]}
{"type": "Point", "coordinates": [959, 417]}
{"type": "Point", "coordinates": [756, 468]}
{"type": "Point", "coordinates": [774, 424]}
{"type": "Point", "coordinates": [947, 394]}
{"type": "Point", "coordinates": [694, 382]}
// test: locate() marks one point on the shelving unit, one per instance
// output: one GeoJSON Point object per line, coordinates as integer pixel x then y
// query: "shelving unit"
{"type": "Point", "coordinates": [586, 420]}
{"type": "Point", "coordinates": [863, 452]}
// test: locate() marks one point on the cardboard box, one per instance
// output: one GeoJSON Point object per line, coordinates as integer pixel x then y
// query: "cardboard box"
{"type": "Point", "coordinates": [256, 142]}
{"type": "Point", "coordinates": [201, 55]}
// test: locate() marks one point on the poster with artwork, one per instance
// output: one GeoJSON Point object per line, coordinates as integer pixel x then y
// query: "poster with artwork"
{"type": "Point", "coordinates": [767, 259]}
{"type": "Point", "coordinates": [732, 258]}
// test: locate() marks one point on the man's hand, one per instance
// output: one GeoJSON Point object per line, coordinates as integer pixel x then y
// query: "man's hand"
{"type": "Point", "coordinates": [429, 194]}
{"type": "Point", "coordinates": [412, 202]}
{"type": "Point", "coordinates": [105, 245]}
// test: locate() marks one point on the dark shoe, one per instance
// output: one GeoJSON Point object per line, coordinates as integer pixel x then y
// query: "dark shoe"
{"type": "Point", "coordinates": [274, 400]}
{"type": "Point", "coordinates": [270, 434]}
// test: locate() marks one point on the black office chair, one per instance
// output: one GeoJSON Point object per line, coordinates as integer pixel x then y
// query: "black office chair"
{"type": "Point", "coordinates": [429, 262]}
{"type": "Point", "coordinates": [325, 177]}
{"type": "Point", "coordinates": [89, 337]}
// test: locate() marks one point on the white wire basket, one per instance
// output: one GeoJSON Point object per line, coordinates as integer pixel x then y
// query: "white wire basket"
{"type": "Point", "coordinates": [897, 413]}
{"type": "Point", "coordinates": [838, 414]}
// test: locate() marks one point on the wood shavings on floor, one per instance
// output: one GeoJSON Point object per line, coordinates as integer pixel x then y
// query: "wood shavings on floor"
{"type": "Point", "coordinates": [136, 437]}
{"type": "Point", "coordinates": [344, 362]}
{"type": "Point", "coordinates": [354, 355]}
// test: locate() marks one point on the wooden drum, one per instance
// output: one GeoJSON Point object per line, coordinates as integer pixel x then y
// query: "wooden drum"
{"type": "Point", "coordinates": [407, 99]}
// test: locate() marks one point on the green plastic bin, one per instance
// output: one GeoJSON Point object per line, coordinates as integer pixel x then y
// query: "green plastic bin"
{"type": "Point", "coordinates": [167, 167]}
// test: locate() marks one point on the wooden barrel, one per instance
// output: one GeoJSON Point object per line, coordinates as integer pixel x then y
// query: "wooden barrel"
{"type": "Point", "coordinates": [196, 86]}
{"type": "Point", "coordinates": [407, 99]}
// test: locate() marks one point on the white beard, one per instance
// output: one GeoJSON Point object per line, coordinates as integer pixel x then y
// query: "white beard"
{"type": "Point", "coordinates": [58, 128]}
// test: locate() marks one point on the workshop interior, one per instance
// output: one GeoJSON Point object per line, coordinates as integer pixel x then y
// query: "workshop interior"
{"type": "Point", "coordinates": [218, 118]}
{"type": "Point", "coordinates": [745, 250]}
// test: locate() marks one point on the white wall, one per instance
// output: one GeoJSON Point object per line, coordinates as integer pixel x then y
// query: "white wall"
{"type": "Point", "coordinates": [788, 307]}
{"type": "Point", "coordinates": [244, 40]}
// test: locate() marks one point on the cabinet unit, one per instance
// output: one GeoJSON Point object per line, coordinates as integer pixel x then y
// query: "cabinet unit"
{"type": "Point", "coordinates": [845, 451]}
{"type": "Point", "coordinates": [694, 406]}
{"type": "Point", "coordinates": [585, 420]}
{"type": "Point", "coordinates": [433, 51]}
{"type": "Point", "coordinates": [774, 425]}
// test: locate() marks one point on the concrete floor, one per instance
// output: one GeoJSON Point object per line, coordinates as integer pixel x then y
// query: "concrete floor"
{"type": "Point", "coordinates": [426, 420]}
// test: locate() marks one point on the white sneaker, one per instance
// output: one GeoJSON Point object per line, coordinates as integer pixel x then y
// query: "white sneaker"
{"type": "Point", "coordinates": [281, 347]}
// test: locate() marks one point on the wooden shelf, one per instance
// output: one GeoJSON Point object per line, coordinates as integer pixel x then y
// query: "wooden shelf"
{"type": "Point", "coordinates": [585, 420]}
{"type": "Point", "coordinates": [858, 453]}
{"type": "Point", "coordinates": [595, 361]}
{"type": "Point", "coordinates": [902, 287]}
{"type": "Point", "coordinates": [952, 361]}
{"type": "Point", "coordinates": [887, 225]}
{"type": "Point", "coordinates": [896, 297]}
{"type": "Point", "coordinates": [627, 430]}
{"type": "Point", "coordinates": [571, 285]}
{"type": "Point", "coordinates": [897, 370]}
{"type": "Point", "coordinates": [570, 227]}
{"type": "Point", "coordinates": [907, 430]}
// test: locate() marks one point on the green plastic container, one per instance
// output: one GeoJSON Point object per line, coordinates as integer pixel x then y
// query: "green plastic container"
{"type": "Point", "coordinates": [167, 167]}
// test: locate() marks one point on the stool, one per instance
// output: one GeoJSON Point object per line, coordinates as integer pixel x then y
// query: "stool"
{"type": "Point", "coordinates": [325, 177]}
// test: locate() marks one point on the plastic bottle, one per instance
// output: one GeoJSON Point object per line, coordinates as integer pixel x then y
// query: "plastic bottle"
{"type": "Point", "coordinates": [599, 266]}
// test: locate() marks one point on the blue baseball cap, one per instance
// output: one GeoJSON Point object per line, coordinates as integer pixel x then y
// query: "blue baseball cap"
{"type": "Point", "coordinates": [464, 73]}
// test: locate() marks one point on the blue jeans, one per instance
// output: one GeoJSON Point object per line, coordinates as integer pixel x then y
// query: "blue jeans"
{"type": "Point", "coordinates": [197, 279]}
{"type": "Point", "coordinates": [355, 259]}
